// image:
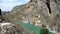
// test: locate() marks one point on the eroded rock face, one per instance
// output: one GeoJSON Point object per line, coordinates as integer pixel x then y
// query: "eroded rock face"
{"type": "Point", "coordinates": [49, 11]}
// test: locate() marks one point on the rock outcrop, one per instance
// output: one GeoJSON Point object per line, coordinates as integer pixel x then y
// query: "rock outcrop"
{"type": "Point", "coordinates": [46, 12]}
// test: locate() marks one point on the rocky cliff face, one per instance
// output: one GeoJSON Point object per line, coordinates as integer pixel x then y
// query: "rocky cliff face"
{"type": "Point", "coordinates": [39, 12]}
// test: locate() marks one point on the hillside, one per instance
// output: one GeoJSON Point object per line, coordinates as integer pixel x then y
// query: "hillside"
{"type": "Point", "coordinates": [46, 12]}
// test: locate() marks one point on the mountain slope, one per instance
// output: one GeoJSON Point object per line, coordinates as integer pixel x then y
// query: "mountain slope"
{"type": "Point", "coordinates": [46, 12]}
